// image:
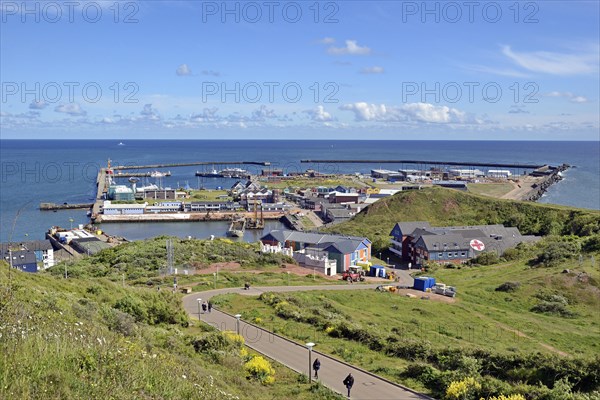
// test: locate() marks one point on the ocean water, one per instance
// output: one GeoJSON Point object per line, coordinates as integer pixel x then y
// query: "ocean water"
{"type": "Point", "coordinates": [35, 171]}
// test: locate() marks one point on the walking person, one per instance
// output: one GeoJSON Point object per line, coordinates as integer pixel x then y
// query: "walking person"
{"type": "Point", "coordinates": [349, 382]}
{"type": "Point", "coordinates": [204, 307]}
{"type": "Point", "coordinates": [316, 367]}
{"type": "Point", "coordinates": [209, 306]}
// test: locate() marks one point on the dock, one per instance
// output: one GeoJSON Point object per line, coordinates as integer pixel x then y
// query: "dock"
{"type": "Point", "coordinates": [138, 174]}
{"type": "Point", "coordinates": [429, 162]}
{"type": "Point", "coordinates": [65, 206]}
{"type": "Point", "coordinates": [190, 164]}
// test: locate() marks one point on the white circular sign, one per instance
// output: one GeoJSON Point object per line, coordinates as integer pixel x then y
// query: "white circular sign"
{"type": "Point", "coordinates": [477, 245]}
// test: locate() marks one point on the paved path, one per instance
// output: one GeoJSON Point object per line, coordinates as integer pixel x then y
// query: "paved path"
{"type": "Point", "coordinates": [294, 355]}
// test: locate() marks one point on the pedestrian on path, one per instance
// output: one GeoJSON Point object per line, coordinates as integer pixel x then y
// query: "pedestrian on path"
{"type": "Point", "coordinates": [349, 382]}
{"type": "Point", "coordinates": [209, 306]}
{"type": "Point", "coordinates": [204, 307]}
{"type": "Point", "coordinates": [316, 367]}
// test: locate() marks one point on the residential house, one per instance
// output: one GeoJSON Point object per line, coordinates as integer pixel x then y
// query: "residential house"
{"type": "Point", "coordinates": [345, 250]}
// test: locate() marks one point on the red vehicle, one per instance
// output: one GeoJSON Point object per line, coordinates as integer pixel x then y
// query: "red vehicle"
{"type": "Point", "coordinates": [354, 274]}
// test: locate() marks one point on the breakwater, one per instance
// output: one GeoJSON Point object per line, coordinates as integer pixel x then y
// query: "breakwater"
{"type": "Point", "coordinates": [553, 177]}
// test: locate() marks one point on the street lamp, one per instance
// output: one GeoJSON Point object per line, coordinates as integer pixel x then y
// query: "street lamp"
{"type": "Point", "coordinates": [288, 274]}
{"type": "Point", "coordinates": [71, 221]}
{"type": "Point", "coordinates": [215, 276]}
{"type": "Point", "coordinates": [199, 308]}
{"type": "Point", "coordinates": [237, 322]}
{"type": "Point", "coordinates": [309, 346]}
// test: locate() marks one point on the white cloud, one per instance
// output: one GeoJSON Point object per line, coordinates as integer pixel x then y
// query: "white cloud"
{"type": "Point", "coordinates": [573, 98]}
{"type": "Point", "coordinates": [327, 40]}
{"type": "Point", "coordinates": [73, 109]}
{"type": "Point", "coordinates": [513, 73]}
{"type": "Point", "coordinates": [150, 113]}
{"type": "Point", "coordinates": [372, 70]}
{"type": "Point", "coordinates": [366, 112]}
{"type": "Point", "coordinates": [515, 109]}
{"type": "Point", "coordinates": [319, 114]}
{"type": "Point", "coordinates": [207, 115]}
{"type": "Point", "coordinates": [263, 113]}
{"type": "Point", "coordinates": [411, 112]}
{"type": "Point", "coordinates": [553, 63]}
{"type": "Point", "coordinates": [38, 105]}
{"type": "Point", "coordinates": [351, 48]}
{"type": "Point", "coordinates": [210, 72]}
{"type": "Point", "coordinates": [183, 70]}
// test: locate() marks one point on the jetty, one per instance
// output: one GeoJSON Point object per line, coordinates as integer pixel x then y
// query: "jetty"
{"type": "Point", "coordinates": [65, 206]}
{"type": "Point", "coordinates": [190, 164]}
{"type": "Point", "coordinates": [429, 162]}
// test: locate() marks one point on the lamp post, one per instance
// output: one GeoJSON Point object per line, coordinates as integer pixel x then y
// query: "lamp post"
{"type": "Point", "coordinates": [237, 322]}
{"type": "Point", "coordinates": [71, 221]}
{"type": "Point", "coordinates": [199, 308]}
{"type": "Point", "coordinates": [288, 275]}
{"type": "Point", "coordinates": [309, 346]}
{"type": "Point", "coordinates": [215, 276]}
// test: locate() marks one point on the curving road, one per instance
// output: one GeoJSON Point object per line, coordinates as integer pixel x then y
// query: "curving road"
{"type": "Point", "coordinates": [295, 355]}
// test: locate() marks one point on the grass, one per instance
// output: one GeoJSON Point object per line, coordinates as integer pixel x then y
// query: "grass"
{"type": "Point", "coordinates": [74, 338]}
{"type": "Point", "coordinates": [496, 190]}
{"type": "Point", "coordinates": [482, 318]}
{"type": "Point", "coordinates": [210, 195]}
{"type": "Point", "coordinates": [311, 182]}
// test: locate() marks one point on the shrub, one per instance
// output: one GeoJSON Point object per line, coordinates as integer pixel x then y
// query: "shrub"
{"type": "Point", "coordinates": [556, 250]}
{"type": "Point", "coordinates": [260, 369]}
{"type": "Point", "coordinates": [462, 390]}
{"type": "Point", "coordinates": [591, 244]}
{"type": "Point", "coordinates": [486, 258]}
{"type": "Point", "coordinates": [547, 307]}
{"type": "Point", "coordinates": [508, 287]}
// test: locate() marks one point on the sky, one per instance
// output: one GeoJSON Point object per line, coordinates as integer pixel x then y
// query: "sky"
{"type": "Point", "coordinates": [450, 70]}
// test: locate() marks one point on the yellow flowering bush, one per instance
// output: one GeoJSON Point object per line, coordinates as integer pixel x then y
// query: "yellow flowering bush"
{"type": "Point", "coordinates": [329, 329]}
{"type": "Point", "coordinates": [462, 390]}
{"type": "Point", "coordinates": [257, 320]}
{"type": "Point", "coordinates": [237, 340]}
{"type": "Point", "coordinates": [259, 368]}
{"type": "Point", "coordinates": [511, 397]}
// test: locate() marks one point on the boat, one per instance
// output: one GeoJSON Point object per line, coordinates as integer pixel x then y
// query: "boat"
{"type": "Point", "coordinates": [237, 228]}
{"type": "Point", "coordinates": [158, 174]}
{"type": "Point", "coordinates": [234, 173]}
{"type": "Point", "coordinates": [212, 174]}
{"type": "Point", "coordinates": [121, 144]}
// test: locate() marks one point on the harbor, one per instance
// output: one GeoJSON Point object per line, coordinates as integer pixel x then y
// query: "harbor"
{"type": "Point", "coordinates": [300, 200]}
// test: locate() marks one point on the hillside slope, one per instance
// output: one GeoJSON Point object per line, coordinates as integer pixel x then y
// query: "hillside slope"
{"type": "Point", "coordinates": [443, 207]}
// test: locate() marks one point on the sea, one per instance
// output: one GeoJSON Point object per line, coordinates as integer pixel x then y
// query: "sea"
{"type": "Point", "coordinates": [59, 171]}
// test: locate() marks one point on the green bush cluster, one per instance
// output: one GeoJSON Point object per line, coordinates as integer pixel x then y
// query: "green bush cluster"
{"type": "Point", "coordinates": [144, 259]}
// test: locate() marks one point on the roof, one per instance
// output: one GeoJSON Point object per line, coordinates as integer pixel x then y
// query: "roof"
{"type": "Point", "coordinates": [20, 257]}
{"type": "Point", "coordinates": [345, 244]}
{"type": "Point", "coordinates": [408, 228]}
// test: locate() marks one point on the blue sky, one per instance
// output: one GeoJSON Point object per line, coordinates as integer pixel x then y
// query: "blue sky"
{"type": "Point", "coordinates": [300, 70]}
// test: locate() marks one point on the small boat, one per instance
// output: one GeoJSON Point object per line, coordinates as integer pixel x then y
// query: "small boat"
{"type": "Point", "coordinates": [212, 174]}
{"type": "Point", "coordinates": [237, 228]}
{"type": "Point", "coordinates": [234, 173]}
{"type": "Point", "coordinates": [121, 144]}
{"type": "Point", "coordinates": [158, 174]}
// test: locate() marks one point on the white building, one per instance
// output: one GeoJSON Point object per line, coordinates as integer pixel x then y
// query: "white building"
{"type": "Point", "coordinates": [499, 173]}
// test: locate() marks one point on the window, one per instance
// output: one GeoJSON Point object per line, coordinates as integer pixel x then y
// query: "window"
{"type": "Point", "coordinates": [463, 254]}
{"type": "Point", "coordinates": [449, 255]}
{"type": "Point", "coordinates": [455, 254]}
{"type": "Point", "coordinates": [440, 255]}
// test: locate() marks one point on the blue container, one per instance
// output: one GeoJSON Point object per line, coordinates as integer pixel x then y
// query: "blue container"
{"type": "Point", "coordinates": [420, 284]}
{"type": "Point", "coordinates": [430, 282]}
